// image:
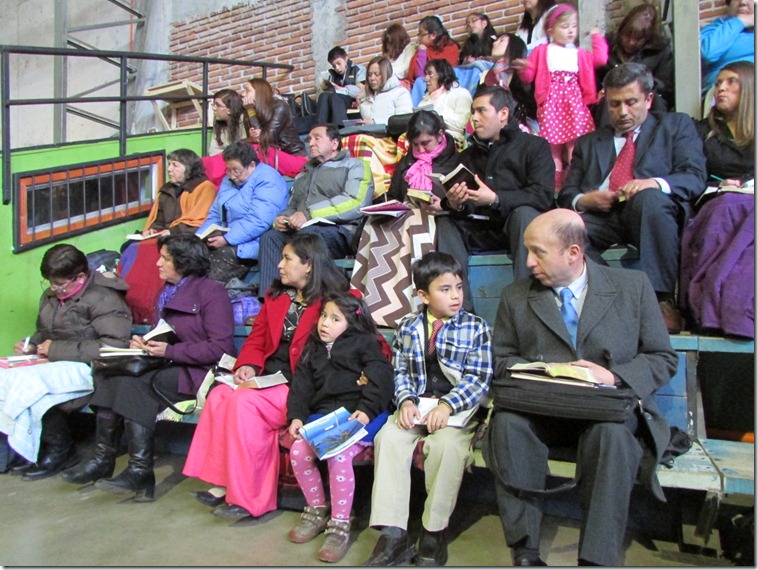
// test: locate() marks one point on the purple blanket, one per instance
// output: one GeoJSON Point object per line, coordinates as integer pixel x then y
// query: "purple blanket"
{"type": "Point", "coordinates": [717, 283]}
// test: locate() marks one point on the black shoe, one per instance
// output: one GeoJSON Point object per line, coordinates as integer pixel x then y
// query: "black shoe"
{"type": "Point", "coordinates": [18, 466]}
{"type": "Point", "coordinates": [208, 499]}
{"type": "Point", "coordinates": [138, 477]}
{"type": "Point", "coordinates": [88, 472]}
{"type": "Point", "coordinates": [107, 433]}
{"type": "Point", "coordinates": [432, 549]}
{"type": "Point", "coordinates": [231, 512]}
{"type": "Point", "coordinates": [52, 464]}
{"type": "Point", "coordinates": [526, 560]}
{"type": "Point", "coordinates": [57, 449]}
{"type": "Point", "coordinates": [391, 551]}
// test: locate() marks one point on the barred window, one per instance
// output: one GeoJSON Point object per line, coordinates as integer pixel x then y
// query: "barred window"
{"type": "Point", "coordinates": [59, 202]}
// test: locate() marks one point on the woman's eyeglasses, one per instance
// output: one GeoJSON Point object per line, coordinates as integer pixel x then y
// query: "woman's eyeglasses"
{"type": "Point", "coordinates": [235, 171]}
{"type": "Point", "coordinates": [60, 287]}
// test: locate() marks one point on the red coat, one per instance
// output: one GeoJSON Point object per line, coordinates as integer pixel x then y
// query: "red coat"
{"type": "Point", "coordinates": [266, 335]}
{"type": "Point", "coordinates": [449, 52]}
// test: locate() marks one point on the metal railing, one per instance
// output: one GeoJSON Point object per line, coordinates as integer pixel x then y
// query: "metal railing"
{"type": "Point", "coordinates": [122, 99]}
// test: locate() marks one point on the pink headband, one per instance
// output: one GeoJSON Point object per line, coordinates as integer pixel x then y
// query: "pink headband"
{"type": "Point", "coordinates": [556, 11]}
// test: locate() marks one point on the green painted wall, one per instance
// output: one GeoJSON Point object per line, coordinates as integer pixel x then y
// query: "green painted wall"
{"type": "Point", "coordinates": [19, 273]}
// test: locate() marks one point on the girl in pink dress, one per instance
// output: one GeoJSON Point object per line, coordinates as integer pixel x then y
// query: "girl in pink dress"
{"type": "Point", "coordinates": [564, 83]}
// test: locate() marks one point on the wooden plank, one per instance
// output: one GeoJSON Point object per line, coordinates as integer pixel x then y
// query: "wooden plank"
{"type": "Point", "coordinates": [719, 344]}
{"type": "Point", "coordinates": [735, 462]}
{"type": "Point", "coordinates": [693, 470]}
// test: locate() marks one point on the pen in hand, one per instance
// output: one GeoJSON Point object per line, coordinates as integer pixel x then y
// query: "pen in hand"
{"type": "Point", "coordinates": [25, 346]}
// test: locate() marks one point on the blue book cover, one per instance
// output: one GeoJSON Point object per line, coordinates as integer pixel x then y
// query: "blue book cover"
{"type": "Point", "coordinates": [332, 433]}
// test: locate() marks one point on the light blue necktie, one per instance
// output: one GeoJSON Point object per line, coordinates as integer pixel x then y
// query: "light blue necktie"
{"type": "Point", "coordinates": [568, 312]}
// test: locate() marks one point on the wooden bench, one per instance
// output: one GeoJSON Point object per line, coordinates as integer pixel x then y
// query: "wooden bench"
{"type": "Point", "coordinates": [722, 470]}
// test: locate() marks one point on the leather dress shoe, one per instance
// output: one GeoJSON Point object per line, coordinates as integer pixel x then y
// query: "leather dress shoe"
{"type": "Point", "coordinates": [524, 560]}
{"type": "Point", "coordinates": [432, 549]}
{"type": "Point", "coordinates": [208, 499]}
{"type": "Point", "coordinates": [18, 466]}
{"type": "Point", "coordinates": [391, 551]}
{"type": "Point", "coordinates": [671, 316]}
{"type": "Point", "coordinates": [231, 512]}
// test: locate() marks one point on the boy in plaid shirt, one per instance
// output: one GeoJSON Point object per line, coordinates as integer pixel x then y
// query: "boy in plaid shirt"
{"type": "Point", "coordinates": [442, 352]}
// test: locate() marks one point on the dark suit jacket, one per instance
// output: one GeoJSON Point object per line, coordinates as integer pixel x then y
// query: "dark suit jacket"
{"type": "Point", "coordinates": [667, 147]}
{"type": "Point", "coordinates": [620, 328]}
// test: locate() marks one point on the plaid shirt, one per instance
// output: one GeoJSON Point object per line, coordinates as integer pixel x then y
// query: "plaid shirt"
{"type": "Point", "coordinates": [464, 349]}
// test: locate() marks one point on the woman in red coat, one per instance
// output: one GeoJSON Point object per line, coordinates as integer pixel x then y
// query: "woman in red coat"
{"type": "Point", "coordinates": [236, 443]}
{"type": "Point", "coordinates": [433, 43]}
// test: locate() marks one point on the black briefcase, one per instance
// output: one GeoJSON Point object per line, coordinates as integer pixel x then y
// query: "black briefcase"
{"type": "Point", "coordinates": [564, 401]}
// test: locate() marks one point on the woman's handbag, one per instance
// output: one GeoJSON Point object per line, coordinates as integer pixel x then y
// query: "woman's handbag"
{"type": "Point", "coordinates": [126, 365]}
{"type": "Point", "coordinates": [135, 365]}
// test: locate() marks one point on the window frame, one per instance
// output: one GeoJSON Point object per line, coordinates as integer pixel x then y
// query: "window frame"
{"type": "Point", "coordinates": [26, 237]}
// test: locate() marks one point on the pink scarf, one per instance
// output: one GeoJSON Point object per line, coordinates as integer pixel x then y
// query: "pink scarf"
{"type": "Point", "coordinates": [416, 175]}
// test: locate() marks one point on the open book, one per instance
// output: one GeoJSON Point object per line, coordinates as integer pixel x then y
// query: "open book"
{"type": "Point", "coordinates": [426, 405]}
{"type": "Point", "coordinates": [557, 373]}
{"type": "Point", "coordinates": [332, 433]}
{"type": "Point", "coordinates": [418, 196]}
{"type": "Point", "coordinates": [212, 229]}
{"type": "Point", "coordinates": [746, 188]}
{"type": "Point", "coordinates": [162, 332]}
{"type": "Point", "coordinates": [21, 360]}
{"type": "Point", "coordinates": [460, 174]}
{"type": "Point", "coordinates": [313, 221]}
{"type": "Point", "coordinates": [140, 237]}
{"type": "Point", "coordinates": [115, 351]}
{"type": "Point", "coordinates": [256, 382]}
{"type": "Point", "coordinates": [389, 208]}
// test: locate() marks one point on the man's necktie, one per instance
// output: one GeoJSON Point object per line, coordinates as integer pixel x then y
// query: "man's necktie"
{"type": "Point", "coordinates": [436, 326]}
{"type": "Point", "coordinates": [622, 168]}
{"type": "Point", "coordinates": [568, 312]}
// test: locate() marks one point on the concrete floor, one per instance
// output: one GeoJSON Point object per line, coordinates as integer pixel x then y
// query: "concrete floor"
{"type": "Point", "coordinates": [52, 523]}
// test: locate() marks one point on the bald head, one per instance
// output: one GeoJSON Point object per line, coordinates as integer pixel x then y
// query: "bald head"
{"type": "Point", "coordinates": [556, 241]}
{"type": "Point", "coordinates": [567, 226]}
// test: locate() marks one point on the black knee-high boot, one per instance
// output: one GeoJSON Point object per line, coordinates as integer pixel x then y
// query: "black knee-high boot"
{"type": "Point", "coordinates": [108, 429]}
{"type": "Point", "coordinates": [57, 450]}
{"type": "Point", "coordinates": [138, 477]}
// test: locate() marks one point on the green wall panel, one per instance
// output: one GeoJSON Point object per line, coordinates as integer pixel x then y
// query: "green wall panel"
{"type": "Point", "coordinates": [19, 273]}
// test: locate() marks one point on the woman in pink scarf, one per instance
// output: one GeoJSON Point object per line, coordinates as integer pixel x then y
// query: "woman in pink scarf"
{"type": "Point", "coordinates": [384, 273]}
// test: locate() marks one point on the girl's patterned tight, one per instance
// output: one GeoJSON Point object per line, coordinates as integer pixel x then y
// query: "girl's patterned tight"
{"type": "Point", "coordinates": [341, 477]}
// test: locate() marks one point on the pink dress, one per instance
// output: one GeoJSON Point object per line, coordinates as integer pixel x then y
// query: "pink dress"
{"type": "Point", "coordinates": [236, 445]}
{"type": "Point", "coordinates": [563, 116]}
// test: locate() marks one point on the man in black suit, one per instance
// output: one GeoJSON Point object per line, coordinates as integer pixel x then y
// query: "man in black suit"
{"type": "Point", "coordinates": [516, 183]}
{"type": "Point", "coordinates": [645, 199]}
{"type": "Point", "coordinates": [618, 333]}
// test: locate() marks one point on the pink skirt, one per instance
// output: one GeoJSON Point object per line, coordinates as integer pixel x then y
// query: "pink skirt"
{"type": "Point", "coordinates": [564, 117]}
{"type": "Point", "coordinates": [236, 445]}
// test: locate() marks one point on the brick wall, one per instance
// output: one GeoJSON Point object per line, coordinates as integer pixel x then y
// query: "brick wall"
{"type": "Point", "coordinates": [279, 31]}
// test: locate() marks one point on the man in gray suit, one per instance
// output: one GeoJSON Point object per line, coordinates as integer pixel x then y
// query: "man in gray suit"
{"type": "Point", "coordinates": [619, 334]}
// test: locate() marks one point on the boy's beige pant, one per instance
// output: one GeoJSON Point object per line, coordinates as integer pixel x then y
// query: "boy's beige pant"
{"type": "Point", "coordinates": [447, 453]}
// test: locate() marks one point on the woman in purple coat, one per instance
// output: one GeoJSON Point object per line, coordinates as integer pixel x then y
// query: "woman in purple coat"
{"type": "Point", "coordinates": [200, 312]}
